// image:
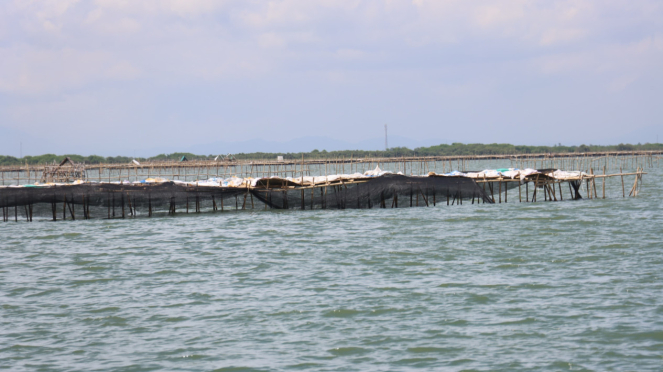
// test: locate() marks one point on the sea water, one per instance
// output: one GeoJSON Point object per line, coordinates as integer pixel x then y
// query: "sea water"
{"type": "Point", "coordinates": [550, 286]}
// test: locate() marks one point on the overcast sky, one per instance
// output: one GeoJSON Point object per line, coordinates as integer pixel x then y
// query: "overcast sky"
{"type": "Point", "coordinates": [113, 76]}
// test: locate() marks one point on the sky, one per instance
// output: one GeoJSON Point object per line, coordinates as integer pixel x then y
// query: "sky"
{"type": "Point", "coordinates": [123, 77]}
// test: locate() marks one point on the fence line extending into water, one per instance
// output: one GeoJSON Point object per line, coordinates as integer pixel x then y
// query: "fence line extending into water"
{"type": "Point", "coordinates": [347, 191]}
{"type": "Point", "coordinates": [384, 191]}
{"type": "Point", "coordinates": [415, 165]}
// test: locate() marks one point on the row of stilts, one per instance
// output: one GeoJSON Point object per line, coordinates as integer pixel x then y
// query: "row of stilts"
{"type": "Point", "coordinates": [128, 207]}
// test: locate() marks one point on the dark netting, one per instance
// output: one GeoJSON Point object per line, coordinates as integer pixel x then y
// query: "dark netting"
{"type": "Point", "coordinates": [388, 191]}
{"type": "Point", "coordinates": [116, 200]}
{"type": "Point", "coordinates": [105, 200]}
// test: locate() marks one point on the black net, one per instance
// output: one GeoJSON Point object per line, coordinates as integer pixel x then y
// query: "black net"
{"type": "Point", "coordinates": [116, 200]}
{"type": "Point", "coordinates": [388, 191]}
{"type": "Point", "coordinates": [106, 200]}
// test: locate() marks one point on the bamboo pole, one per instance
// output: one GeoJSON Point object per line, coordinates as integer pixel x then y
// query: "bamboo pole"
{"type": "Point", "coordinates": [635, 183]}
{"type": "Point", "coordinates": [596, 195]}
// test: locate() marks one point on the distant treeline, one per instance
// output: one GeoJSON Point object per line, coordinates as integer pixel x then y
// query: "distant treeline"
{"type": "Point", "coordinates": [439, 150]}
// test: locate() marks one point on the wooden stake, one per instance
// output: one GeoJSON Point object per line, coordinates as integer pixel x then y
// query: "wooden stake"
{"type": "Point", "coordinates": [560, 191]}
{"type": "Point", "coordinates": [623, 190]}
{"type": "Point", "coordinates": [635, 184]}
{"type": "Point", "coordinates": [500, 191]}
{"type": "Point", "coordinates": [604, 182]}
{"type": "Point", "coordinates": [596, 195]}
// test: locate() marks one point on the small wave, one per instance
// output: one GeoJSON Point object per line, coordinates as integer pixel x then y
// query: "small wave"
{"type": "Point", "coordinates": [457, 322]}
{"type": "Point", "coordinates": [535, 286]}
{"type": "Point", "coordinates": [166, 272]}
{"type": "Point", "coordinates": [460, 361]}
{"type": "Point", "coordinates": [413, 263]}
{"type": "Point", "coordinates": [341, 313]}
{"type": "Point", "coordinates": [433, 350]}
{"type": "Point", "coordinates": [238, 369]}
{"type": "Point", "coordinates": [82, 262]}
{"type": "Point", "coordinates": [291, 312]}
{"type": "Point", "coordinates": [44, 293]}
{"type": "Point", "coordinates": [479, 299]}
{"type": "Point", "coordinates": [587, 259]}
{"type": "Point", "coordinates": [48, 237]}
{"type": "Point", "coordinates": [527, 320]}
{"type": "Point", "coordinates": [90, 281]}
{"type": "Point", "coordinates": [445, 285]}
{"type": "Point", "coordinates": [385, 311]}
{"type": "Point", "coordinates": [304, 366]}
{"type": "Point", "coordinates": [653, 335]}
{"type": "Point", "coordinates": [174, 319]}
{"type": "Point", "coordinates": [105, 309]}
{"type": "Point", "coordinates": [93, 268]}
{"type": "Point", "coordinates": [108, 321]}
{"type": "Point", "coordinates": [341, 351]}
{"type": "Point", "coordinates": [415, 361]}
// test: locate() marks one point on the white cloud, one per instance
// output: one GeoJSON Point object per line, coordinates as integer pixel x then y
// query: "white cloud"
{"type": "Point", "coordinates": [497, 14]}
{"type": "Point", "coordinates": [122, 70]}
{"type": "Point", "coordinates": [622, 82]}
{"type": "Point", "coordinates": [30, 70]}
{"type": "Point", "coordinates": [618, 65]}
{"type": "Point", "coordinates": [351, 29]}
{"type": "Point", "coordinates": [351, 54]}
{"type": "Point", "coordinates": [182, 8]}
{"type": "Point", "coordinates": [557, 36]}
{"type": "Point", "coordinates": [271, 40]}
{"type": "Point", "coordinates": [447, 48]}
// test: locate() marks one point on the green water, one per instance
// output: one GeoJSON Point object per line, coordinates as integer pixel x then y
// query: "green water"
{"type": "Point", "coordinates": [552, 286]}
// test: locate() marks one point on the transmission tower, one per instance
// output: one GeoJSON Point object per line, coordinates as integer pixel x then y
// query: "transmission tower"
{"type": "Point", "coordinates": [386, 144]}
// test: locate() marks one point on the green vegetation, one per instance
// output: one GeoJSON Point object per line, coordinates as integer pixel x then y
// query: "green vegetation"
{"type": "Point", "coordinates": [52, 158]}
{"type": "Point", "coordinates": [439, 150]}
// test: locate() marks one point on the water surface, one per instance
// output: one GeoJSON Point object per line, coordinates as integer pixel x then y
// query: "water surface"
{"type": "Point", "coordinates": [555, 286]}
